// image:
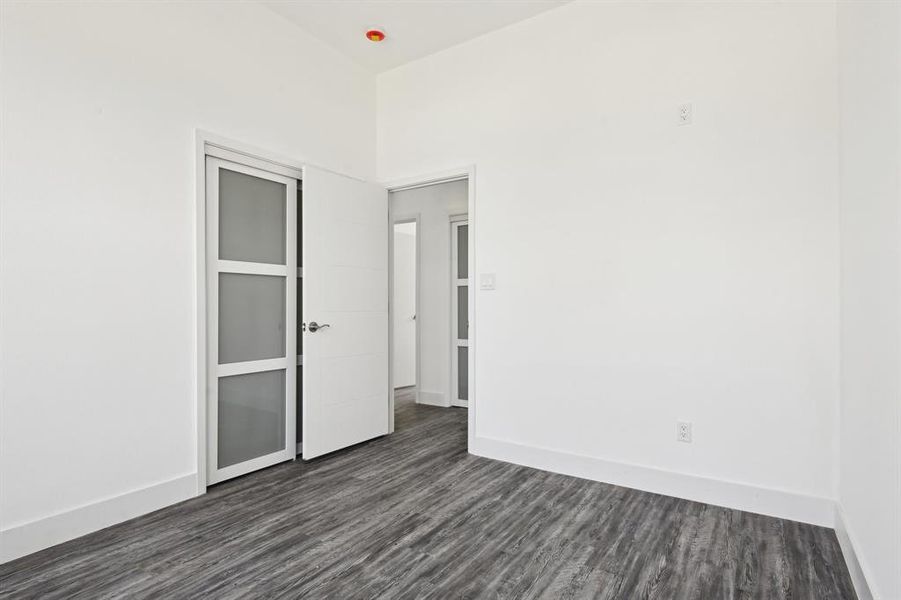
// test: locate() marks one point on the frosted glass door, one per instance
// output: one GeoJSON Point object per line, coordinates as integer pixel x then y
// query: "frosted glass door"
{"type": "Point", "coordinates": [251, 329]}
{"type": "Point", "coordinates": [460, 311]}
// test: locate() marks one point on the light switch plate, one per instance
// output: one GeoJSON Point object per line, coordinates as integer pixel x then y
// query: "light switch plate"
{"type": "Point", "coordinates": [486, 281]}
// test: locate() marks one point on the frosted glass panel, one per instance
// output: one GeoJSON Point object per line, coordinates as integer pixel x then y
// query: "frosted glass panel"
{"type": "Point", "coordinates": [251, 317]}
{"type": "Point", "coordinates": [462, 373]}
{"type": "Point", "coordinates": [463, 252]}
{"type": "Point", "coordinates": [251, 416]}
{"type": "Point", "coordinates": [252, 218]}
{"type": "Point", "coordinates": [463, 312]}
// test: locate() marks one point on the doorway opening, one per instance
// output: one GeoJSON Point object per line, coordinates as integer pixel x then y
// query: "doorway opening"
{"type": "Point", "coordinates": [431, 294]}
{"type": "Point", "coordinates": [405, 300]}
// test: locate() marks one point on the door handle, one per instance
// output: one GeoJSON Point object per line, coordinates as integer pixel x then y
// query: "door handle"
{"type": "Point", "coordinates": [314, 326]}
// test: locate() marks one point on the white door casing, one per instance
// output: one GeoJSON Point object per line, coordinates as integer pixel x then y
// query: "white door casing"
{"type": "Point", "coordinates": [346, 395]}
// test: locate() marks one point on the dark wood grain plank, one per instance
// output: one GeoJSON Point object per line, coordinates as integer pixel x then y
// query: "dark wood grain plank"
{"type": "Point", "coordinates": [413, 515]}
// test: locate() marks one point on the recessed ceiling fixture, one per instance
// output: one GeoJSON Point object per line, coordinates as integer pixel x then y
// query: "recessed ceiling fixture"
{"type": "Point", "coordinates": [375, 35]}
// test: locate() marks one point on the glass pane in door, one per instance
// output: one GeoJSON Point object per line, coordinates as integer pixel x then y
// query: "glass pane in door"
{"type": "Point", "coordinates": [462, 312]}
{"type": "Point", "coordinates": [251, 317]}
{"type": "Point", "coordinates": [252, 218]}
{"type": "Point", "coordinates": [251, 416]}
{"type": "Point", "coordinates": [463, 252]}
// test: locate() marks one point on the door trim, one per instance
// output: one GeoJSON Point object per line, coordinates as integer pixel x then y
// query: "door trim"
{"type": "Point", "coordinates": [211, 144]}
{"type": "Point", "coordinates": [468, 173]}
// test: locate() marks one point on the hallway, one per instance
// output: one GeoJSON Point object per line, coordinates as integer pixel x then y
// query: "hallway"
{"type": "Point", "coordinates": [412, 515]}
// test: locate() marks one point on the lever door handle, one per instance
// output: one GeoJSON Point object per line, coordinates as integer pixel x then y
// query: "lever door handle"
{"type": "Point", "coordinates": [314, 326]}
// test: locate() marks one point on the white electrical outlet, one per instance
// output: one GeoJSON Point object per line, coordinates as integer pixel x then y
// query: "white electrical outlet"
{"type": "Point", "coordinates": [486, 281]}
{"type": "Point", "coordinates": [683, 431]}
{"type": "Point", "coordinates": [685, 114]}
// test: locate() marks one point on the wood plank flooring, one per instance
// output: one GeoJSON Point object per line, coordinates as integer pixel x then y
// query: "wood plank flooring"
{"type": "Point", "coordinates": [412, 515]}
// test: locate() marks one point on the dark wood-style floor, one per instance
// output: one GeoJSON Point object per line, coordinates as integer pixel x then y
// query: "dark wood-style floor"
{"type": "Point", "coordinates": [412, 515]}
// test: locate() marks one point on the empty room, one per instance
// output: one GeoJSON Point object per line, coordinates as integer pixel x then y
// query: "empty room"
{"type": "Point", "coordinates": [522, 299]}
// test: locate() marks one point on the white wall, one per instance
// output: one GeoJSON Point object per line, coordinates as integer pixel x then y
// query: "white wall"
{"type": "Point", "coordinates": [648, 272]}
{"type": "Point", "coordinates": [99, 106]}
{"type": "Point", "coordinates": [870, 441]}
{"type": "Point", "coordinates": [434, 204]}
{"type": "Point", "coordinates": [404, 305]}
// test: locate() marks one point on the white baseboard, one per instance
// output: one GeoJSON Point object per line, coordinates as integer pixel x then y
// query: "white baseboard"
{"type": "Point", "coordinates": [431, 398]}
{"type": "Point", "coordinates": [857, 570]}
{"type": "Point", "coordinates": [772, 502]}
{"type": "Point", "coordinates": [27, 538]}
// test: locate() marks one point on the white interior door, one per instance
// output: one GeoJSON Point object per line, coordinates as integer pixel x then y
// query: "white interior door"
{"type": "Point", "coordinates": [251, 313]}
{"type": "Point", "coordinates": [345, 312]}
{"type": "Point", "coordinates": [404, 307]}
{"type": "Point", "coordinates": [460, 311]}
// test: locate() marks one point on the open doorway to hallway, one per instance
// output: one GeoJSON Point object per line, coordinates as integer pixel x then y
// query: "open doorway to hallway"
{"type": "Point", "coordinates": [430, 294]}
{"type": "Point", "coordinates": [404, 303]}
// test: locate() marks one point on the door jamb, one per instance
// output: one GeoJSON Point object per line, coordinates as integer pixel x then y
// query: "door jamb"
{"type": "Point", "coordinates": [469, 174]}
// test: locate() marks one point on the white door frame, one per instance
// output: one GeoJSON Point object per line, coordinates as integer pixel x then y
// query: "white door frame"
{"type": "Point", "coordinates": [469, 174]}
{"type": "Point", "coordinates": [456, 221]}
{"type": "Point", "coordinates": [398, 219]}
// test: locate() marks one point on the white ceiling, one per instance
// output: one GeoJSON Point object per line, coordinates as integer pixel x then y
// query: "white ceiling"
{"type": "Point", "coordinates": [414, 28]}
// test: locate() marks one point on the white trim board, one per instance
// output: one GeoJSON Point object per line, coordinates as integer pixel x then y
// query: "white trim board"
{"type": "Point", "coordinates": [775, 503]}
{"type": "Point", "coordinates": [24, 539]}
{"type": "Point", "coordinates": [857, 569]}
{"type": "Point", "coordinates": [229, 148]}
{"type": "Point", "coordinates": [431, 398]}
